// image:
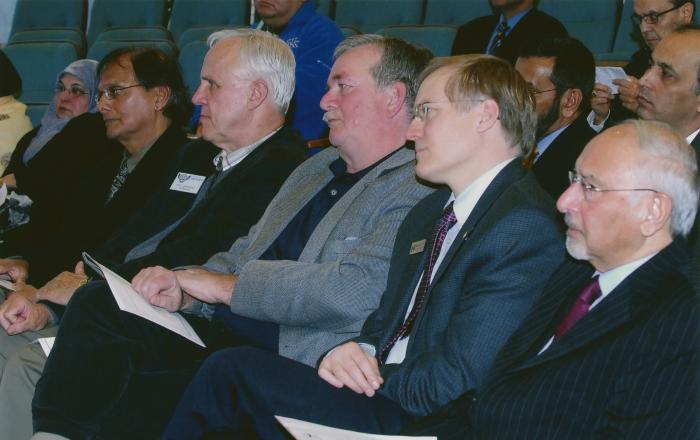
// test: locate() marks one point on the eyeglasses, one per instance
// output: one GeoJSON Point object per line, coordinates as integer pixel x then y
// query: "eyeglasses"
{"type": "Point", "coordinates": [74, 91]}
{"type": "Point", "coordinates": [422, 110]}
{"type": "Point", "coordinates": [589, 191]}
{"type": "Point", "coordinates": [535, 91]}
{"type": "Point", "coordinates": [652, 17]}
{"type": "Point", "coordinates": [111, 93]}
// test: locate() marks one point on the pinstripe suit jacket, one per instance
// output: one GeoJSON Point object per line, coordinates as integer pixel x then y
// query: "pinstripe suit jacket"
{"type": "Point", "coordinates": [629, 369]}
{"type": "Point", "coordinates": [323, 298]}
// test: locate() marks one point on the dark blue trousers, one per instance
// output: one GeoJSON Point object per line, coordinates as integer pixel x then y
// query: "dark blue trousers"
{"type": "Point", "coordinates": [237, 391]}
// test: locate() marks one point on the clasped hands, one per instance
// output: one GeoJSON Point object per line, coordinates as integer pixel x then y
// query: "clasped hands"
{"type": "Point", "coordinates": [350, 366]}
{"type": "Point", "coordinates": [603, 96]}
{"type": "Point", "coordinates": [176, 290]}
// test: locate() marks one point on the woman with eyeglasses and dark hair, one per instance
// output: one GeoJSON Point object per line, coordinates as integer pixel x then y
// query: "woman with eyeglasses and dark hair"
{"type": "Point", "coordinates": [14, 122]}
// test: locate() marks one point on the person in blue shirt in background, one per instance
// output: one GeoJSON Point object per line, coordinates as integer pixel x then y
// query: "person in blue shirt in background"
{"type": "Point", "coordinates": [312, 38]}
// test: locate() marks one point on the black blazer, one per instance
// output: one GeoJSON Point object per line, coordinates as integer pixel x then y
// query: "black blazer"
{"type": "Point", "coordinates": [628, 369]}
{"type": "Point", "coordinates": [227, 211]}
{"type": "Point", "coordinates": [486, 284]}
{"type": "Point", "coordinates": [51, 174]}
{"type": "Point", "coordinates": [87, 220]}
{"type": "Point", "coordinates": [474, 36]}
{"type": "Point", "coordinates": [551, 169]}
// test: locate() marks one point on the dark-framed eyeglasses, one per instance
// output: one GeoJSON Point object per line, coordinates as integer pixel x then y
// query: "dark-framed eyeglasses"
{"type": "Point", "coordinates": [75, 91]}
{"type": "Point", "coordinates": [111, 93]}
{"type": "Point", "coordinates": [652, 17]}
{"type": "Point", "coordinates": [590, 190]}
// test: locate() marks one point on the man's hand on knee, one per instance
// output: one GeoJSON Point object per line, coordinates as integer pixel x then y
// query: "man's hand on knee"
{"type": "Point", "coordinates": [61, 288]}
{"type": "Point", "coordinates": [17, 269]}
{"type": "Point", "coordinates": [349, 365]}
{"type": "Point", "coordinates": [18, 314]}
{"type": "Point", "coordinates": [159, 286]}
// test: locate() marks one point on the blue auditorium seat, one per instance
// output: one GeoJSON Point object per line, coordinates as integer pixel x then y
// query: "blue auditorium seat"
{"type": "Point", "coordinates": [372, 15]}
{"type": "Point", "coordinates": [206, 15]}
{"type": "Point", "coordinates": [437, 38]}
{"type": "Point", "coordinates": [190, 61]}
{"type": "Point", "coordinates": [593, 22]}
{"type": "Point", "coordinates": [107, 14]}
{"type": "Point", "coordinates": [101, 48]}
{"type": "Point", "coordinates": [38, 63]}
{"type": "Point", "coordinates": [42, 20]}
{"type": "Point", "coordinates": [455, 12]}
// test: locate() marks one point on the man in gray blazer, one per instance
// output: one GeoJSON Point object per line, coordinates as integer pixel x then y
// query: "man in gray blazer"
{"type": "Point", "coordinates": [304, 278]}
{"type": "Point", "coordinates": [468, 263]}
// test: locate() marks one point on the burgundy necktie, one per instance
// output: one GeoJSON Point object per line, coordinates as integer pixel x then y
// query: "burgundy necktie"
{"type": "Point", "coordinates": [501, 32]}
{"type": "Point", "coordinates": [580, 307]}
{"type": "Point", "coordinates": [446, 221]}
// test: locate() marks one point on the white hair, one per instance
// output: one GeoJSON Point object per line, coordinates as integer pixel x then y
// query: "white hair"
{"type": "Point", "coordinates": [670, 167]}
{"type": "Point", "coordinates": [266, 57]}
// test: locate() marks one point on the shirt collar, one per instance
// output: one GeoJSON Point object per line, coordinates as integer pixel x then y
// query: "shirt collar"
{"type": "Point", "coordinates": [612, 278]}
{"type": "Point", "coordinates": [546, 141]}
{"type": "Point", "coordinates": [133, 159]}
{"type": "Point", "coordinates": [226, 160]}
{"type": "Point", "coordinates": [514, 20]}
{"type": "Point", "coordinates": [467, 199]}
{"type": "Point", "coordinates": [692, 136]}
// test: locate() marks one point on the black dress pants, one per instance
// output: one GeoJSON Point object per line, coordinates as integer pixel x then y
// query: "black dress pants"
{"type": "Point", "coordinates": [237, 391]}
{"type": "Point", "coordinates": [114, 375]}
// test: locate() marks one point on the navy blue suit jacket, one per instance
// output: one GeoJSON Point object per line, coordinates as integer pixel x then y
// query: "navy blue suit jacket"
{"type": "Point", "coordinates": [490, 277]}
{"type": "Point", "coordinates": [474, 36]}
{"type": "Point", "coordinates": [628, 369]}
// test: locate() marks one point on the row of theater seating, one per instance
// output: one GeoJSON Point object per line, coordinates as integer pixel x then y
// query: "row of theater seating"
{"type": "Point", "coordinates": [603, 25]}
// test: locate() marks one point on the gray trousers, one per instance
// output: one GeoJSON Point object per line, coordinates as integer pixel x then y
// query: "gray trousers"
{"type": "Point", "coordinates": [21, 363]}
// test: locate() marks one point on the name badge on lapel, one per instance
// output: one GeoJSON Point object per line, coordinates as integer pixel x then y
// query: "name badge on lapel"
{"type": "Point", "coordinates": [186, 182]}
{"type": "Point", "coordinates": [417, 247]}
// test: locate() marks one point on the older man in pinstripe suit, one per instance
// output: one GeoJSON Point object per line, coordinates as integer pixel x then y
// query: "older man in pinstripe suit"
{"type": "Point", "coordinates": [611, 349]}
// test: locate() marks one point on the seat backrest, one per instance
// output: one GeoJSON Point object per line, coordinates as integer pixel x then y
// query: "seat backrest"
{"type": "Point", "coordinates": [190, 60]}
{"type": "Point", "coordinates": [38, 83]}
{"type": "Point", "coordinates": [30, 14]}
{"type": "Point", "coordinates": [437, 38]}
{"type": "Point", "coordinates": [101, 48]}
{"type": "Point", "coordinates": [119, 13]}
{"type": "Point", "coordinates": [200, 13]}
{"type": "Point", "coordinates": [372, 15]}
{"type": "Point", "coordinates": [455, 12]}
{"type": "Point", "coordinates": [628, 37]}
{"type": "Point", "coordinates": [592, 21]}
{"type": "Point", "coordinates": [326, 7]}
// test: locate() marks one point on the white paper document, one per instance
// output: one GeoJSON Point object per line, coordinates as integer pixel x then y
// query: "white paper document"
{"type": "Point", "coordinates": [606, 75]}
{"type": "Point", "coordinates": [46, 344]}
{"type": "Point", "coordinates": [302, 430]}
{"type": "Point", "coordinates": [6, 283]}
{"type": "Point", "coordinates": [130, 301]}
{"type": "Point", "coordinates": [3, 194]}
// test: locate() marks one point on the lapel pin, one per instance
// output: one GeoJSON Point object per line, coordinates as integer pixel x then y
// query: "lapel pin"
{"type": "Point", "coordinates": [417, 247]}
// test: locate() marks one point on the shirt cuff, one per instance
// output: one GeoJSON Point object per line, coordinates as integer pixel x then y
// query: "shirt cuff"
{"type": "Point", "coordinates": [591, 121]}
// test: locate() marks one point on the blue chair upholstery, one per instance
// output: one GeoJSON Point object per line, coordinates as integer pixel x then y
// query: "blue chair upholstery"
{"type": "Point", "coordinates": [593, 22]}
{"type": "Point", "coordinates": [437, 38]}
{"type": "Point", "coordinates": [217, 14]}
{"type": "Point", "coordinates": [33, 14]}
{"type": "Point", "coordinates": [325, 7]}
{"type": "Point", "coordinates": [627, 38]}
{"type": "Point", "coordinates": [190, 61]}
{"type": "Point", "coordinates": [49, 20]}
{"type": "Point", "coordinates": [372, 15]}
{"type": "Point", "coordinates": [101, 48]}
{"type": "Point", "coordinates": [199, 34]}
{"type": "Point", "coordinates": [38, 63]}
{"type": "Point", "coordinates": [107, 14]}
{"type": "Point", "coordinates": [134, 33]}
{"type": "Point", "coordinates": [36, 112]}
{"type": "Point", "coordinates": [74, 36]}
{"type": "Point", "coordinates": [455, 12]}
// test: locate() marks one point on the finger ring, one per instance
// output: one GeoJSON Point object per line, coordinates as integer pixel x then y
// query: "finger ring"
{"type": "Point", "coordinates": [594, 93]}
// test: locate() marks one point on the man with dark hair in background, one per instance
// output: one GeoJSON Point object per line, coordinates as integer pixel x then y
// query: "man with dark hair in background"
{"type": "Point", "coordinates": [560, 72]}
